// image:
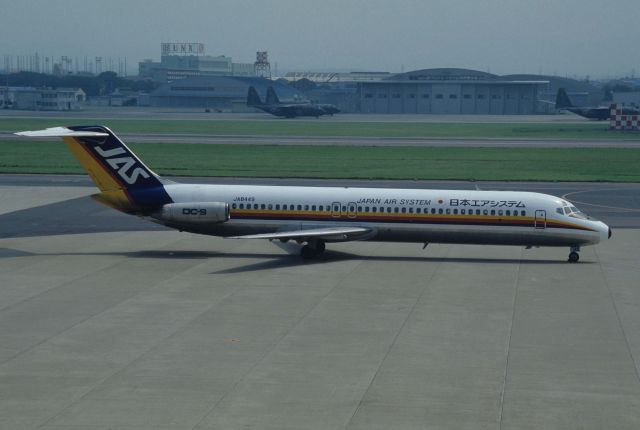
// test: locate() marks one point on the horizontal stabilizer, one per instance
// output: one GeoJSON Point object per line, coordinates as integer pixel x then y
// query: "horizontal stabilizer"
{"type": "Point", "coordinates": [61, 132]}
{"type": "Point", "coordinates": [332, 233]}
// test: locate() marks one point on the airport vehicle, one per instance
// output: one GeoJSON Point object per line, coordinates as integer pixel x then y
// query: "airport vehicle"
{"type": "Point", "coordinates": [282, 110]}
{"type": "Point", "coordinates": [273, 100]}
{"type": "Point", "coordinates": [314, 216]}
{"type": "Point", "coordinates": [600, 113]}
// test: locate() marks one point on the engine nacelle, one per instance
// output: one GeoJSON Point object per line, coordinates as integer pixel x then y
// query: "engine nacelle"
{"type": "Point", "coordinates": [195, 212]}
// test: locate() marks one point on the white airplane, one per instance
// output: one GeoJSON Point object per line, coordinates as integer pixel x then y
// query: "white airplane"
{"type": "Point", "coordinates": [314, 216]}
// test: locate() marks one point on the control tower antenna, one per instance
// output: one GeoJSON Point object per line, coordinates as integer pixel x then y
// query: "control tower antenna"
{"type": "Point", "coordinates": [262, 67]}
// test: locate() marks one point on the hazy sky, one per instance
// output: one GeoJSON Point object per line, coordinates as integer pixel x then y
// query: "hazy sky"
{"type": "Point", "coordinates": [566, 37]}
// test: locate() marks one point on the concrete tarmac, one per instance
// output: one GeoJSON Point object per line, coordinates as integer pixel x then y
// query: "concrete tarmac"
{"type": "Point", "coordinates": [167, 330]}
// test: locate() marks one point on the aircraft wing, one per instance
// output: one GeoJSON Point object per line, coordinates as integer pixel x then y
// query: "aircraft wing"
{"type": "Point", "coordinates": [334, 234]}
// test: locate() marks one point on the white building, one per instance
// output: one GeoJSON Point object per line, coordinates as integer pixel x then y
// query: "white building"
{"type": "Point", "coordinates": [30, 98]}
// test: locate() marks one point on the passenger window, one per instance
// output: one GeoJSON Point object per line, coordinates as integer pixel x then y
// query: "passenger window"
{"type": "Point", "coordinates": [462, 211]}
{"type": "Point", "coordinates": [277, 207]}
{"type": "Point", "coordinates": [447, 211]}
{"type": "Point", "coordinates": [299, 207]}
{"type": "Point", "coordinates": [508, 212]}
{"type": "Point", "coordinates": [493, 211]}
{"type": "Point", "coordinates": [404, 210]}
{"type": "Point", "coordinates": [455, 211]}
{"type": "Point", "coordinates": [500, 213]}
{"type": "Point", "coordinates": [255, 206]}
{"type": "Point", "coordinates": [433, 211]}
{"type": "Point", "coordinates": [233, 206]}
{"type": "Point", "coordinates": [263, 206]}
{"type": "Point", "coordinates": [321, 208]}
{"type": "Point", "coordinates": [440, 211]}
{"type": "Point", "coordinates": [410, 210]}
{"type": "Point", "coordinates": [306, 207]}
{"type": "Point", "coordinates": [241, 205]}
{"type": "Point", "coordinates": [395, 210]}
{"type": "Point", "coordinates": [344, 208]}
{"type": "Point", "coordinates": [389, 210]}
{"type": "Point", "coordinates": [523, 213]}
{"type": "Point", "coordinates": [418, 210]}
{"type": "Point", "coordinates": [359, 208]}
{"type": "Point", "coordinates": [366, 208]}
{"type": "Point", "coordinates": [374, 209]}
{"type": "Point", "coordinates": [270, 206]}
{"type": "Point", "coordinates": [485, 212]}
{"type": "Point", "coordinates": [477, 211]}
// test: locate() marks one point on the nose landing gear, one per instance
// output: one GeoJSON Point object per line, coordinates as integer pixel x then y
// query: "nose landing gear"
{"type": "Point", "coordinates": [573, 254]}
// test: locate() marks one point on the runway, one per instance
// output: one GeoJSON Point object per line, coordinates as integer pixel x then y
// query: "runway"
{"type": "Point", "coordinates": [160, 114]}
{"type": "Point", "coordinates": [111, 322]}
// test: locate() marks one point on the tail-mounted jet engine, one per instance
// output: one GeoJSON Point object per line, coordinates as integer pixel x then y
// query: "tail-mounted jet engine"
{"type": "Point", "coordinates": [204, 212]}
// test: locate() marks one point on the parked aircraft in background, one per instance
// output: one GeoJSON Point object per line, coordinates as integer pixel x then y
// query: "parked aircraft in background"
{"type": "Point", "coordinates": [601, 113]}
{"type": "Point", "coordinates": [283, 110]}
{"type": "Point", "coordinates": [273, 100]}
{"type": "Point", "coordinates": [314, 216]}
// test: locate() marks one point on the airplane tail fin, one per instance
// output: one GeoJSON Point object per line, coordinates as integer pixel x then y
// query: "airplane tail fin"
{"type": "Point", "coordinates": [272, 97]}
{"type": "Point", "coordinates": [253, 98]}
{"type": "Point", "coordinates": [562, 99]}
{"type": "Point", "coordinates": [125, 182]}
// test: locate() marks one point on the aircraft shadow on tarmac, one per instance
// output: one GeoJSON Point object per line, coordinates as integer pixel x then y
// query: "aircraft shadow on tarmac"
{"type": "Point", "coordinates": [280, 261]}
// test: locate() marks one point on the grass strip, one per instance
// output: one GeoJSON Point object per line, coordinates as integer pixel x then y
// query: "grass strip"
{"type": "Point", "coordinates": [353, 162]}
{"type": "Point", "coordinates": [324, 128]}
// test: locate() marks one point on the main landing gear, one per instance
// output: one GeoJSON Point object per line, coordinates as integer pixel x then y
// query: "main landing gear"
{"type": "Point", "coordinates": [312, 249]}
{"type": "Point", "coordinates": [573, 254]}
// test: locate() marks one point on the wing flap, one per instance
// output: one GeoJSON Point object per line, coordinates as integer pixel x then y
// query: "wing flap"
{"type": "Point", "coordinates": [330, 233]}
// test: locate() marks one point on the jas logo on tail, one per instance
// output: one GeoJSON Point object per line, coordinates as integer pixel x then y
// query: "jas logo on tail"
{"type": "Point", "coordinates": [123, 165]}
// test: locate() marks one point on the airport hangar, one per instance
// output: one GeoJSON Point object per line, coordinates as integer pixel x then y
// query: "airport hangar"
{"type": "Point", "coordinates": [428, 91]}
{"type": "Point", "coordinates": [451, 91]}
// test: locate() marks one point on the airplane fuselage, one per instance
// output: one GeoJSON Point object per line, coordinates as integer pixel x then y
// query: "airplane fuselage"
{"type": "Point", "coordinates": [401, 215]}
{"type": "Point", "coordinates": [292, 111]}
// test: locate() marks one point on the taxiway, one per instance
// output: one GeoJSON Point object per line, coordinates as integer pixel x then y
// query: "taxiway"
{"type": "Point", "coordinates": [109, 322]}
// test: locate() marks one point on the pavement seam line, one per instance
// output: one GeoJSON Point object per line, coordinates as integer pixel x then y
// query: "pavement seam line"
{"type": "Point", "coordinates": [144, 353]}
{"type": "Point", "coordinates": [395, 338]}
{"type": "Point", "coordinates": [508, 345]}
{"type": "Point", "coordinates": [615, 308]}
{"type": "Point", "coordinates": [30, 348]}
{"type": "Point", "coordinates": [276, 343]}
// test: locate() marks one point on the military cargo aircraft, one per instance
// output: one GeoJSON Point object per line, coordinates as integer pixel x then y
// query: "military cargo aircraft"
{"type": "Point", "coordinates": [282, 110]}
{"type": "Point", "coordinates": [600, 113]}
{"type": "Point", "coordinates": [273, 100]}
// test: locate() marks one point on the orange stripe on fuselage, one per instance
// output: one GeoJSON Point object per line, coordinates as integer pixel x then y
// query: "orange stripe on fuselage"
{"type": "Point", "coordinates": [373, 217]}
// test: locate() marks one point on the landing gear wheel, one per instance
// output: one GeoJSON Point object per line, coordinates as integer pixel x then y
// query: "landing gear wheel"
{"type": "Point", "coordinates": [307, 252]}
{"type": "Point", "coordinates": [574, 257]}
{"type": "Point", "coordinates": [312, 249]}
